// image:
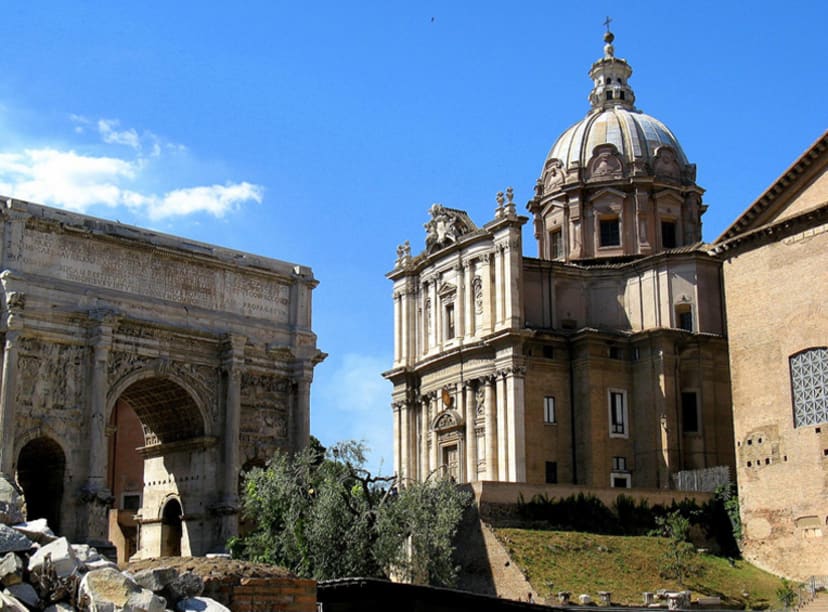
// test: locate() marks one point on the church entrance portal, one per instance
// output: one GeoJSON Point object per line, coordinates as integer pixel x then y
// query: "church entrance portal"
{"type": "Point", "coordinates": [40, 469]}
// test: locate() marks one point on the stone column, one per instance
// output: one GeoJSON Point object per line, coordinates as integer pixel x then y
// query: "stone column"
{"type": "Point", "coordinates": [7, 407]}
{"type": "Point", "coordinates": [398, 323]}
{"type": "Point", "coordinates": [471, 436]}
{"type": "Point", "coordinates": [233, 363]}
{"type": "Point", "coordinates": [491, 429]}
{"type": "Point", "coordinates": [503, 458]}
{"type": "Point", "coordinates": [516, 425]}
{"type": "Point", "coordinates": [101, 345]}
{"type": "Point", "coordinates": [433, 332]}
{"type": "Point", "coordinates": [486, 316]}
{"type": "Point", "coordinates": [397, 443]}
{"type": "Point", "coordinates": [95, 494]}
{"type": "Point", "coordinates": [470, 327]}
{"type": "Point", "coordinates": [15, 301]}
{"type": "Point", "coordinates": [405, 442]}
{"type": "Point", "coordinates": [424, 433]}
{"type": "Point", "coordinates": [498, 288]}
{"type": "Point", "coordinates": [435, 450]}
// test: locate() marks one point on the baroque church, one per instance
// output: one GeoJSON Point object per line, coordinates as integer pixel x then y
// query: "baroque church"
{"type": "Point", "coordinates": [603, 360]}
{"type": "Point", "coordinates": [628, 353]}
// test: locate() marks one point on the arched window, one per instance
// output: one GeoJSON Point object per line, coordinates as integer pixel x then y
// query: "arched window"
{"type": "Point", "coordinates": [809, 386]}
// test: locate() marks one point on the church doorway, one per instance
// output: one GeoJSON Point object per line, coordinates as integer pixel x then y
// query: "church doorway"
{"type": "Point", "coordinates": [171, 529]}
{"type": "Point", "coordinates": [40, 469]}
{"type": "Point", "coordinates": [451, 462]}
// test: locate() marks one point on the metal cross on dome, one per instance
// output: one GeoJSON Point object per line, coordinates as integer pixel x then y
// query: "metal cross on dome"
{"type": "Point", "coordinates": [607, 22]}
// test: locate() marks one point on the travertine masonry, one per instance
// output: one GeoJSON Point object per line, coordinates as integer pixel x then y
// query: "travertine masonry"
{"type": "Point", "coordinates": [116, 337]}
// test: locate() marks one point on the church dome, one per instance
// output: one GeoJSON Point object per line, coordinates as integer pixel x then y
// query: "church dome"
{"type": "Point", "coordinates": [617, 183]}
{"type": "Point", "coordinates": [635, 135]}
{"type": "Point", "coordinates": [615, 130]}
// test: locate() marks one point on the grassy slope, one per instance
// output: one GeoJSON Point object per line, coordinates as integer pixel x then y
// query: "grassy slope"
{"type": "Point", "coordinates": [627, 566]}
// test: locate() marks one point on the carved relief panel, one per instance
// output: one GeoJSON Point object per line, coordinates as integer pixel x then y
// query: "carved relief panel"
{"type": "Point", "coordinates": [265, 404]}
{"type": "Point", "coordinates": [50, 381]}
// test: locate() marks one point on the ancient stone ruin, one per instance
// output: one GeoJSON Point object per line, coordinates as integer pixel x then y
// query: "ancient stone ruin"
{"type": "Point", "coordinates": [41, 571]}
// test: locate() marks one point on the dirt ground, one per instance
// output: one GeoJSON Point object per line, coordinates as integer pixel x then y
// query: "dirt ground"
{"type": "Point", "coordinates": [211, 568]}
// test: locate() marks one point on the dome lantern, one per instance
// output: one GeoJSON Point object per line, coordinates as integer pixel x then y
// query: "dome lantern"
{"type": "Point", "coordinates": [617, 183]}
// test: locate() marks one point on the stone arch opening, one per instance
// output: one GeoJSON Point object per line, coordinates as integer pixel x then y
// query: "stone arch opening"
{"type": "Point", "coordinates": [171, 529]}
{"type": "Point", "coordinates": [166, 410]}
{"type": "Point", "coordinates": [156, 450]}
{"type": "Point", "coordinates": [41, 466]}
{"type": "Point", "coordinates": [248, 524]}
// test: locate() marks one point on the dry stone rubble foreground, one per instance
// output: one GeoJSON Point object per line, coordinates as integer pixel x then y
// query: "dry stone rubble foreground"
{"type": "Point", "coordinates": [42, 571]}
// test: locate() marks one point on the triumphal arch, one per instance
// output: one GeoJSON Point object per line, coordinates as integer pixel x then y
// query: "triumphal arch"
{"type": "Point", "coordinates": [141, 374]}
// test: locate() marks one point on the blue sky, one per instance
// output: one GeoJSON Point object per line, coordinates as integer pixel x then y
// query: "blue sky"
{"type": "Point", "coordinates": [320, 133]}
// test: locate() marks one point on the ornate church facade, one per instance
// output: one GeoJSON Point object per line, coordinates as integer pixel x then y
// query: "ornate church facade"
{"type": "Point", "coordinates": [600, 362]}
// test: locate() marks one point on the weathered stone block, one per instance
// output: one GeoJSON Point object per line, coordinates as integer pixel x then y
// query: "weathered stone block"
{"type": "Point", "coordinates": [108, 590]}
{"type": "Point", "coordinates": [11, 569]}
{"type": "Point", "coordinates": [200, 604]}
{"type": "Point", "coordinates": [9, 603]}
{"type": "Point", "coordinates": [12, 503]}
{"type": "Point", "coordinates": [59, 607]}
{"type": "Point", "coordinates": [24, 592]}
{"type": "Point", "coordinates": [155, 578]}
{"type": "Point", "coordinates": [184, 586]}
{"type": "Point", "coordinates": [63, 558]}
{"type": "Point", "coordinates": [13, 541]}
{"type": "Point", "coordinates": [37, 531]}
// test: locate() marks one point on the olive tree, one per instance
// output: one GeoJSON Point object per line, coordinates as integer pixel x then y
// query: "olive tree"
{"type": "Point", "coordinates": [321, 514]}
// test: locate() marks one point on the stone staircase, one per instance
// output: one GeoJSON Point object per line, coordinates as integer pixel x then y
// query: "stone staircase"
{"type": "Point", "coordinates": [485, 565]}
{"type": "Point", "coordinates": [818, 604]}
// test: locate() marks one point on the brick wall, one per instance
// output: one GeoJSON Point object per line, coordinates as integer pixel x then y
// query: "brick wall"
{"type": "Point", "coordinates": [264, 594]}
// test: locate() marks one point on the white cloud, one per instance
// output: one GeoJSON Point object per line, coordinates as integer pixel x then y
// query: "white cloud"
{"type": "Point", "coordinates": [215, 199]}
{"type": "Point", "coordinates": [77, 181]}
{"type": "Point", "coordinates": [109, 134]}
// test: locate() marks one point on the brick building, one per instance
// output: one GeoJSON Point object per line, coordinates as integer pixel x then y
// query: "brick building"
{"type": "Point", "coordinates": [776, 285]}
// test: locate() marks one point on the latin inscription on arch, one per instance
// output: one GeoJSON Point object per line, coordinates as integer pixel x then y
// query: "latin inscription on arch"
{"type": "Point", "coordinates": [159, 275]}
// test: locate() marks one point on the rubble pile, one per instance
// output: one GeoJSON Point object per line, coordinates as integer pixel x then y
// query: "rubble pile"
{"type": "Point", "coordinates": [44, 572]}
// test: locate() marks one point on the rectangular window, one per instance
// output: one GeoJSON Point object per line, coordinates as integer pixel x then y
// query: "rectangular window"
{"type": "Point", "coordinates": [131, 501]}
{"type": "Point", "coordinates": [619, 464]}
{"type": "Point", "coordinates": [449, 321]}
{"type": "Point", "coordinates": [610, 232]}
{"type": "Point", "coordinates": [684, 317]}
{"type": "Point", "coordinates": [551, 472]}
{"type": "Point", "coordinates": [555, 244]}
{"type": "Point", "coordinates": [549, 415]}
{"type": "Point", "coordinates": [616, 352]}
{"type": "Point", "coordinates": [668, 234]}
{"type": "Point", "coordinates": [618, 414]}
{"type": "Point", "coordinates": [620, 481]}
{"type": "Point", "coordinates": [689, 412]}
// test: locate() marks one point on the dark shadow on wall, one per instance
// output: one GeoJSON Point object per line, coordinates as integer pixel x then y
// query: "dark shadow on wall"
{"type": "Point", "coordinates": [471, 555]}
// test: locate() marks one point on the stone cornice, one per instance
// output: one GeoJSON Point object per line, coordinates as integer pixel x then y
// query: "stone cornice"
{"type": "Point", "coordinates": [777, 189]}
{"type": "Point", "coordinates": [772, 232]}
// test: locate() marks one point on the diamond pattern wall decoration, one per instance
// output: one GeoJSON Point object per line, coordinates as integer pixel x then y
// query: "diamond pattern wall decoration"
{"type": "Point", "coordinates": [809, 384]}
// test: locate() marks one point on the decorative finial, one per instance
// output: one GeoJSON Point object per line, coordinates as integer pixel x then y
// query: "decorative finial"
{"type": "Point", "coordinates": [609, 50]}
{"type": "Point", "coordinates": [510, 204]}
{"type": "Point", "coordinates": [499, 210]}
